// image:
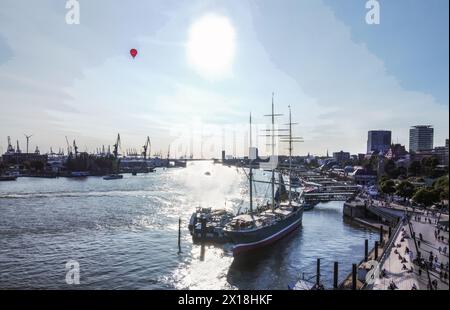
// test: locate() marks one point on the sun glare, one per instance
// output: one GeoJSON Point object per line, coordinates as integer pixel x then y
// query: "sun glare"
{"type": "Point", "coordinates": [211, 46]}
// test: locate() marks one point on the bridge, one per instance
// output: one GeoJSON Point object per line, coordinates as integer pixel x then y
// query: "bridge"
{"type": "Point", "coordinates": [328, 196]}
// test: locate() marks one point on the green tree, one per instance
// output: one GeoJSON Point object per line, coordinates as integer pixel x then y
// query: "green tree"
{"type": "Point", "coordinates": [388, 187]}
{"type": "Point", "coordinates": [405, 189]}
{"type": "Point", "coordinates": [429, 165]}
{"type": "Point", "coordinates": [390, 169]}
{"type": "Point", "coordinates": [441, 185]}
{"type": "Point", "coordinates": [426, 196]}
{"type": "Point", "coordinates": [415, 168]}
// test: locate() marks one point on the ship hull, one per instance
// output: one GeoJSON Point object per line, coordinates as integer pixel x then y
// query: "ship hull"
{"type": "Point", "coordinates": [248, 241]}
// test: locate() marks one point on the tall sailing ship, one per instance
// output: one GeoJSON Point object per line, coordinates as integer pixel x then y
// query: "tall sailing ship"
{"type": "Point", "coordinates": [269, 222]}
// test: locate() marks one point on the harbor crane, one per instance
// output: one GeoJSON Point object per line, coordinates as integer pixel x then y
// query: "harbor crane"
{"type": "Point", "coordinates": [116, 146]}
{"type": "Point", "coordinates": [146, 147]}
{"type": "Point", "coordinates": [28, 140]}
{"type": "Point", "coordinates": [75, 148]}
{"type": "Point", "coordinates": [10, 147]}
{"type": "Point", "coordinates": [68, 147]}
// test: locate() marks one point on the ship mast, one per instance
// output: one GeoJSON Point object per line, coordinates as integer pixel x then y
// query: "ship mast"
{"type": "Point", "coordinates": [274, 166]}
{"type": "Point", "coordinates": [290, 156]}
{"type": "Point", "coordinates": [291, 140]}
{"type": "Point", "coordinates": [273, 154]}
{"type": "Point", "coordinates": [250, 157]}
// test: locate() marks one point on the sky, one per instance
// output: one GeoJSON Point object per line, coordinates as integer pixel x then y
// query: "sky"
{"type": "Point", "coordinates": [203, 66]}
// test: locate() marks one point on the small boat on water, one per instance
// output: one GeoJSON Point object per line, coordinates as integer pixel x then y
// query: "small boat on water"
{"type": "Point", "coordinates": [113, 177]}
{"type": "Point", "coordinates": [8, 177]}
{"type": "Point", "coordinates": [207, 173]}
{"type": "Point", "coordinates": [214, 221]}
{"type": "Point", "coordinates": [79, 174]}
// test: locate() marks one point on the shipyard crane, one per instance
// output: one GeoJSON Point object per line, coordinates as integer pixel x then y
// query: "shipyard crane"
{"type": "Point", "coordinates": [28, 139]}
{"type": "Point", "coordinates": [116, 146]}
{"type": "Point", "coordinates": [10, 147]}
{"type": "Point", "coordinates": [68, 147]}
{"type": "Point", "coordinates": [146, 147]}
{"type": "Point", "coordinates": [75, 148]}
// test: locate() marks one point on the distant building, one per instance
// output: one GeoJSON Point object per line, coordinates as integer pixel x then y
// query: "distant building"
{"type": "Point", "coordinates": [20, 158]}
{"type": "Point", "coordinates": [378, 141]}
{"type": "Point", "coordinates": [396, 152]}
{"type": "Point", "coordinates": [421, 138]}
{"type": "Point", "coordinates": [223, 155]}
{"type": "Point", "coordinates": [364, 177]}
{"type": "Point", "coordinates": [341, 156]}
{"type": "Point", "coordinates": [441, 152]}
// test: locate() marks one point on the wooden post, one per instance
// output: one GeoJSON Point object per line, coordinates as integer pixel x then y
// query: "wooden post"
{"type": "Point", "coordinates": [390, 231]}
{"type": "Point", "coordinates": [203, 232]}
{"type": "Point", "coordinates": [381, 234]}
{"type": "Point", "coordinates": [318, 272]}
{"type": "Point", "coordinates": [366, 250]}
{"type": "Point", "coordinates": [376, 250]}
{"type": "Point", "coordinates": [335, 275]}
{"type": "Point", "coordinates": [179, 235]}
{"type": "Point", "coordinates": [354, 272]}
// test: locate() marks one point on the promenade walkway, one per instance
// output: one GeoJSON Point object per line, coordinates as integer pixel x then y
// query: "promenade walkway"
{"type": "Point", "coordinates": [398, 271]}
{"type": "Point", "coordinates": [432, 240]}
{"type": "Point", "coordinates": [401, 270]}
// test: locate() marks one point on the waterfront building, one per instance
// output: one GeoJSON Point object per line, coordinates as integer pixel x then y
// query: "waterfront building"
{"type": "Point", "coordinates": [17, 158]}
{"type": "Point", "coordinates": [341, 156]}
{"type": "Point", "coordinates": [421, 138]}
{"type": "Point", "coordinates": [378, 141]}
{"type": "Point", "coordinates": [363, 176]}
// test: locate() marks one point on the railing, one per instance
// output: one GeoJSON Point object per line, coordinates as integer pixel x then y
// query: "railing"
{"type": "Point", "coordinates": [383, 214]}
{"type": "Point", "coordinates": [387, 248]}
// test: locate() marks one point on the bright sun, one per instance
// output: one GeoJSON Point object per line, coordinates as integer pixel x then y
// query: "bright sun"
{"type": "Point", "coordinates": [210, 47]}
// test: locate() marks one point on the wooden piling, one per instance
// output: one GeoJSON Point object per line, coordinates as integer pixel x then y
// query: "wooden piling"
{"type": "Point", "coordinates": [318, 272]}
{"type": "Point", "coordinates": [179, 235]}
{"type": "Point", "coordinates": [376, 250]}
{"type": "Point", "coordinates": [366, 250]}
{"type": "Point", "coordinates": [390, 231]}
{"type": "Point", "coordinates": [335, 275]}
{"type": "Point", "coordinates": [381, 234]}
{"type": "Point", "coordinates": [203, 232]}
{"type": "Point", "coordinates": [354, 273]}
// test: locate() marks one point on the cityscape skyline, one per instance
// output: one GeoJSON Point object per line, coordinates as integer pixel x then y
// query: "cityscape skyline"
{"type": "Point", "coordinates": [185, 150]}
{"type": "Point", "coordinates": [79, 81]}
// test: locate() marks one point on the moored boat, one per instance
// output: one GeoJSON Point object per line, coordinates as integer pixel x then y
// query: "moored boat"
{"type": "Point", "coordinates": [272, 221]}
{"type": "Point", "coordinates": [8, 177]}
{"type": "Point", "coordinates": [213, 220]}
{"type": "Point", "coordinates": [113, 177]}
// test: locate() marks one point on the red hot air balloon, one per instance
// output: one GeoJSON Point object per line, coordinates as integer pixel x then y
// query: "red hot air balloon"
{"type": "Point", "coordinates": [133, 52]}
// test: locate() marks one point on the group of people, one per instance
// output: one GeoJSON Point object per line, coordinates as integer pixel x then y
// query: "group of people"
{"type": "Point", "coordinates": [439, 237]}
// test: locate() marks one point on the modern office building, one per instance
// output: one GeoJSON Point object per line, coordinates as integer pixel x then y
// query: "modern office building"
{"type": "Point", "coordinates": [421, 138]}
{"type": "Point", "coordinates": [378, 141]}
{"type": "Point", "coordinates": [341, 156]}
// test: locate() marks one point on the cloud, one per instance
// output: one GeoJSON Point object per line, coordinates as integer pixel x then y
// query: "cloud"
{"type": "Point", "coordinates": [316, 49]}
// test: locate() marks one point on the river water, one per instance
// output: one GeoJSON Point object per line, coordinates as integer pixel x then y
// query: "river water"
{"type": "Point", "coordinates": [124, 234]}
